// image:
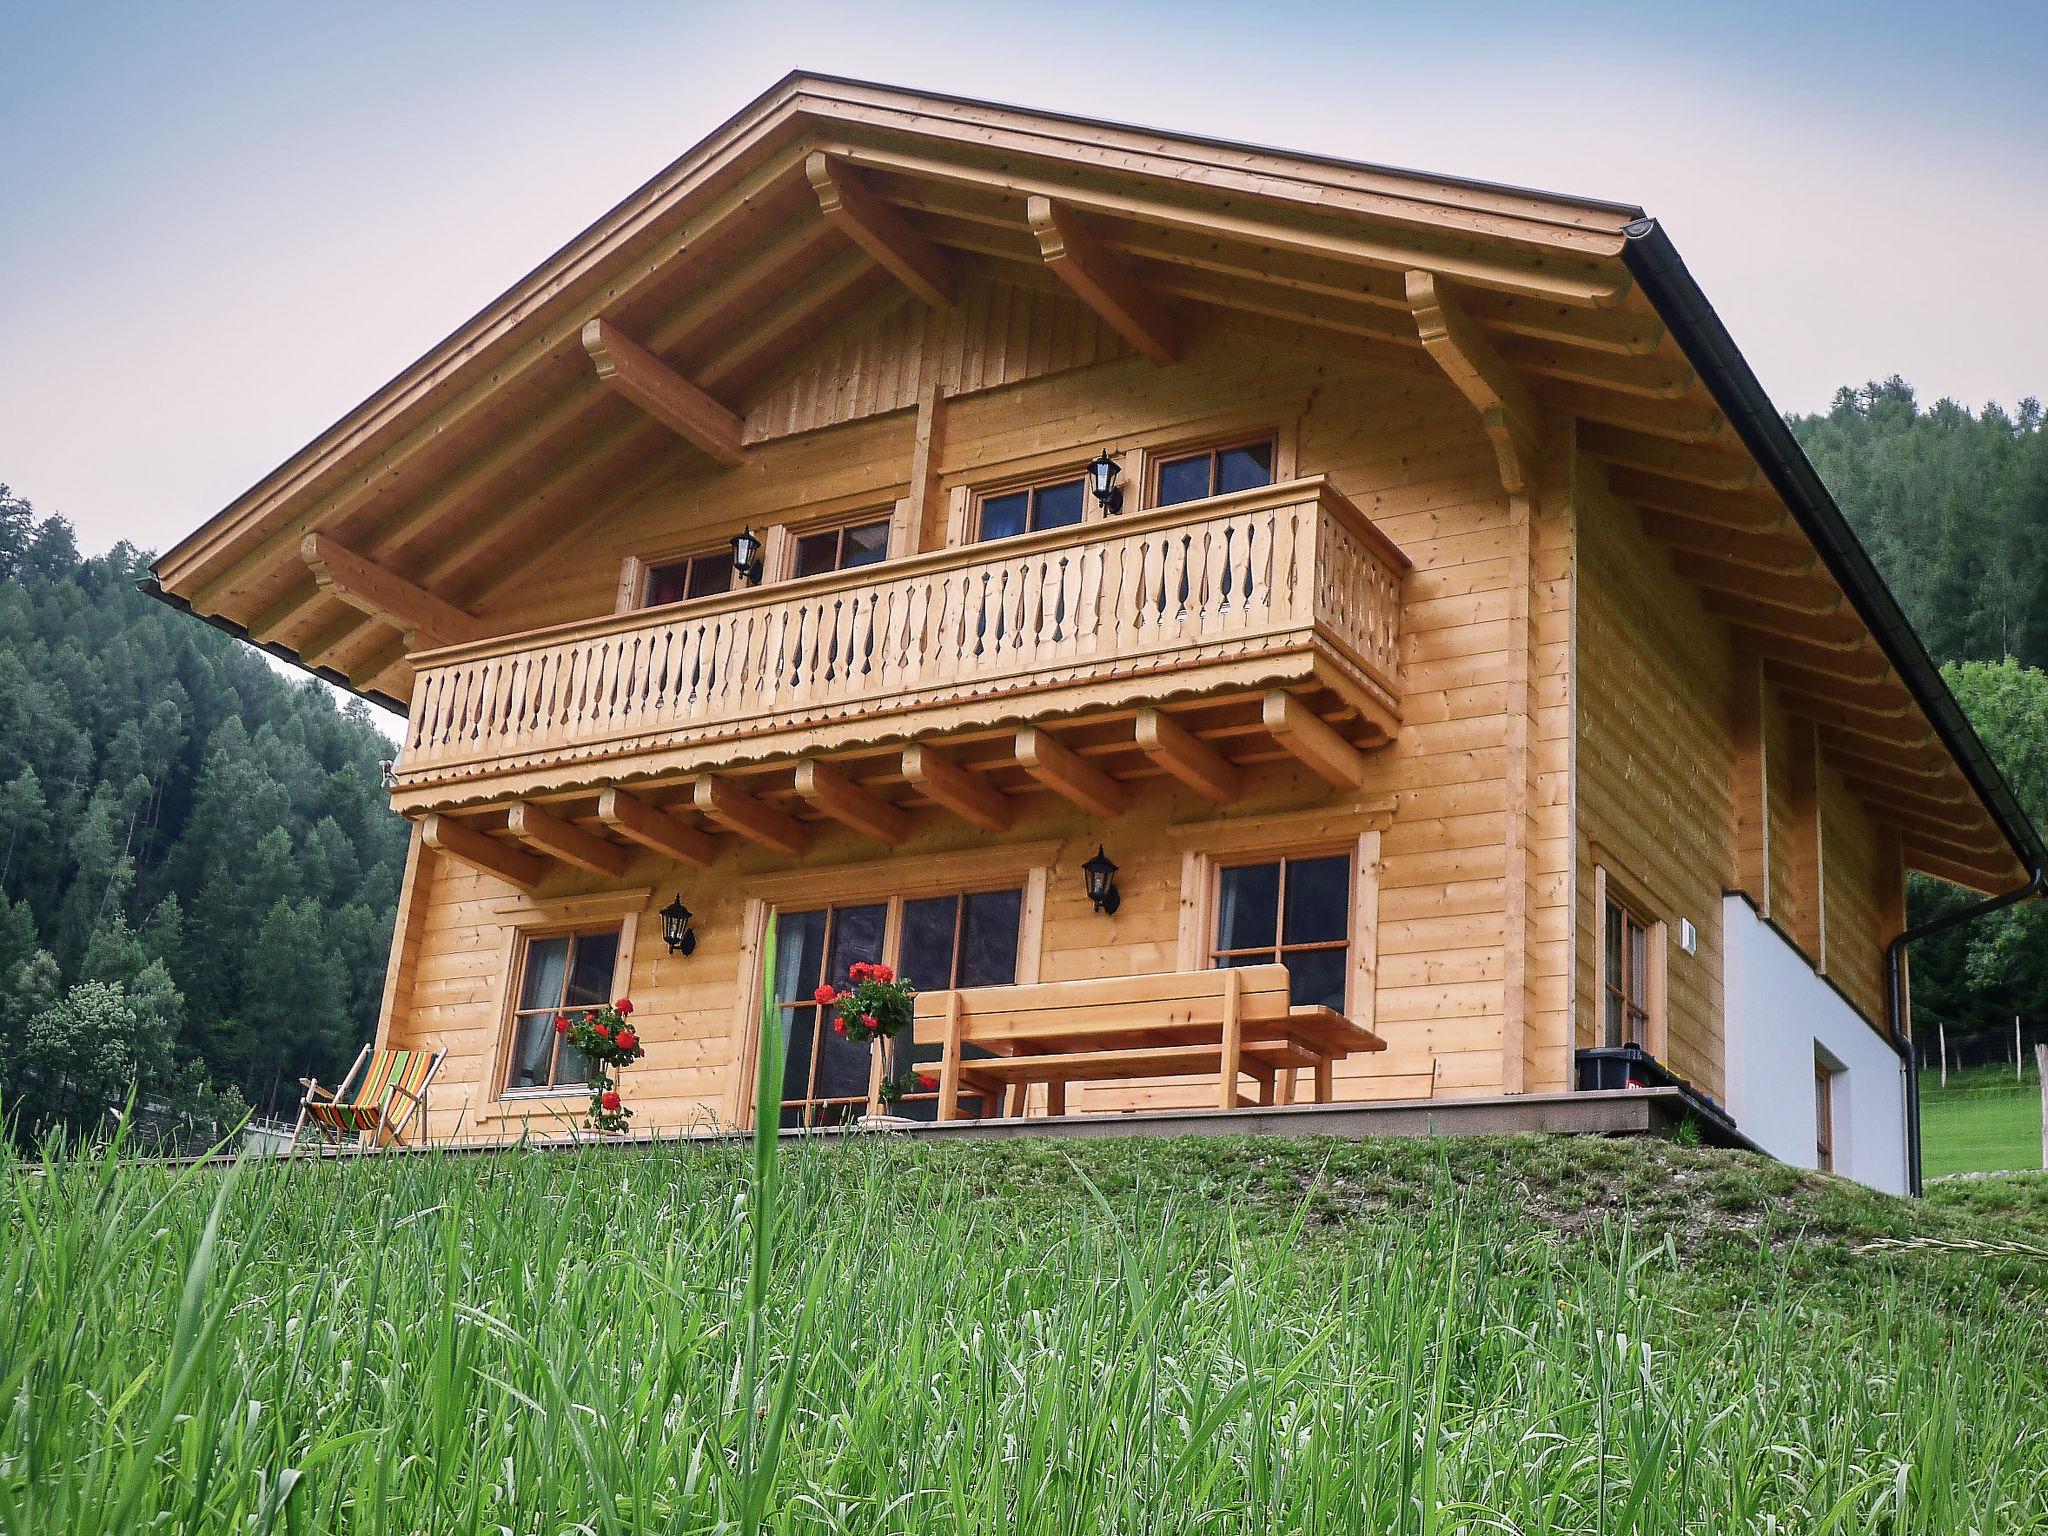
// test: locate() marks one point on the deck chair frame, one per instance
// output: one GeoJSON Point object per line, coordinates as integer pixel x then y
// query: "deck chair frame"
{"type": "Point", "coordinates": [388, 1129]}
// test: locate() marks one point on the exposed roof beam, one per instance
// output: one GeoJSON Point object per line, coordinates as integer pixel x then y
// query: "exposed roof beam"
{"type": "Point", "coordinates": [636, 374]}
{"type": "Point", "coordinates": [967, 795]}
{"type": "Point", "coordinates": [287, 610]}
{"type": "Point", "coordinates": [1074, 256]}
{"type": "Point", "coordinates": [1308, 737]}
{"type": "Point", "coordinates": [1920, 760]}
{"type": "Point", "coordinates": [753, 818]}
{"type": "Point", "coordinates": [879, 230]}
{"type": "Point", "coordinates": [1508, 412]}
{"type": "Point", "coordinates": [1830, 631]}
{"type": "Point", "coordinates": [1866, 664]}
{"type": "Point", "coordinates": [1846, 715]}
{"type": "Point", "coordinates": [1676, 461]}
{"type": "Point", "coordinates": [1195, 763]}
{"type": "Point", "coordinates": [1064, 771]}
{"type": "Point", "coordinates": [851, 804]}
{"type": "Point", "coordinates": [566, 841]}
{"type": "Point", "coordinates": [1930, 860]}
{"type": "Point", "coordinates": [1885, 697]}
{"type": "Point", "coordinates": [1798, 594]}
{"type": "Point", "coordinates": [650, 827]}
{"type": "Point", "coordinates": [1680, 498]}
{"type": "Point", "coordinates": [789, 322]}
{"type": "Point", "coordinates": [1961, 814]}
{"type": "Point", "coordinates": [1763, 551]}
{"type": "Point", "coordinates": [480, 851]}
{"type": "Point", "coordinates": [427, 621]}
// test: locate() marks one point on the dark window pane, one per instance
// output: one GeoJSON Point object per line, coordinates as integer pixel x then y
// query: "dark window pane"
{"type": "Point", "coordinates": [1317, 976]}
{"type": "Point", "coordinates": [856, 935]}
{"type": "Point", "coordinates": [842, 1067]}
{"type": "Point", "coordinates": [1239, 469]}
{"type": "Point", "coordinates": [710, 574]}
{"type": "Point", "coordinates": [534, 1037]}
{"type": "Point", "coordinates": [668, 583]}
{"type": "Point", "coordinates": [1247, 908]}
{"type": "Point", "coordinates": [817, 553]}
{"type": "Point", "coordinates": [547, 964]}
{"type": "Point", "coordinates": [865, 545]}
{"type": "Point", "coordinates": [1318, 901]}
{"type": "Point", "coordinates": [1613, 945]}
{"type": "Point", "coordinates": [1184, 480]}
{"type": "Point", "coordinates": [927, 947]}
{"type": "Point", "coordinates": [799, 955]}
{"type": "Point", "coordinates": [1002, 516]}
{"type": "Point", "coordinates": [590, 974]}
{"type": "Point", "coordinates": [799, 1026]}
{"type": "Point", "coordinates": [571, 1065]}
{"type": "Point", "coordinates": [989, 939]}
{"type": "Point", "coordinates": [1056, 506]}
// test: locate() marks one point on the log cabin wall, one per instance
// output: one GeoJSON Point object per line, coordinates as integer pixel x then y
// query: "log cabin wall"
{"type": "Point", "coordinates": [1470, 963]}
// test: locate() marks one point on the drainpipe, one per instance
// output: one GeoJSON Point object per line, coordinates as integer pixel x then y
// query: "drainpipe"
{"type": "Point", "coordinates": [1895, 1000]}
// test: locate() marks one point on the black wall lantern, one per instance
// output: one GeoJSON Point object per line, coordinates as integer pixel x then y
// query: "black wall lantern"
{"type": "Point", "coordinates": [676, 929]}
{"type": "Point", "coordinates": [1100, 874]}
{"type": "Point", "coordinates": [746, 555]}
{"type": "Point", "coordinates": [1102, 473]}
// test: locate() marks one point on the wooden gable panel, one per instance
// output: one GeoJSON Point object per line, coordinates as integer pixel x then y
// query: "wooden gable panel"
{"type": "Point", "coordinates": [999, 333]}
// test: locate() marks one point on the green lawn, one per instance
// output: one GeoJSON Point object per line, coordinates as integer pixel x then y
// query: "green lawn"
{"type": "Point", "coordinates": [1481, 1335]}
{"type": "Point", "coordinates": [1982, 1122]}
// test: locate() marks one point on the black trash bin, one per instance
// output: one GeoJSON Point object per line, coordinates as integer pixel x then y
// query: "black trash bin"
{"type": "Point", "coordinates": [1622, 1066]}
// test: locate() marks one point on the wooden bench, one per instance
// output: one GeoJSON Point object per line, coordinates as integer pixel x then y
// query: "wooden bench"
{"type": "Point", "coordinates": [1231, 1022]}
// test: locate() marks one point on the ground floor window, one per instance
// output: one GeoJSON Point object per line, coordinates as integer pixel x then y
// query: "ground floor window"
{"type": "Point", "coordinates": [1823, 1115]}
{"type": "Point", "coordinates": [557, 972]}
{"type": "Point", "coordinates": [1627, 988]}
{"type": "Point", "coordinates": [1294, 911]}
{"type": "Point", "coordinates": [967, 939]}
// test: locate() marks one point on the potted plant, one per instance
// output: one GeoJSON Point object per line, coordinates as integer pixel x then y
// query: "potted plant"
{"type": "Point", "coordinates": [873, 1007]}
{"type": "Point", "coordinates": [610, 1044]}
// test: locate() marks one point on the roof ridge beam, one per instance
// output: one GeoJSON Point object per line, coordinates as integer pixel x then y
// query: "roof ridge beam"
{"type": "Point", "coordinates": [881, 231]}
{"type": "Point", "coordinates": [636, 374]}
{"type": "Point", "coordinates": [1508, 412]}
{"type": "Point", "coordinates": [1077, 258]}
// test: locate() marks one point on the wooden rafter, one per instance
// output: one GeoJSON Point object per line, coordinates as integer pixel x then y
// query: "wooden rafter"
{"type": "Point", "coordinates": [1838, 631]}
{"type": "Point", "coordinates": [1883, 697]}
{"type": "Point", "coordinates": [752, 817]}
{"type": "Point", "coordinates": [1863, 664]}
{"type": "Point", "coordinates": [1958, 815]}
{"type": "Point", "coordinates": [966, 794]}
{"type": "Point", "coordinates": [481, 851]}
{"type": "Point", "coordinates": [1311, 740]}
{"type": "Point", "coordinates": [651, 827]}
{"type": "Point", "coordinates": [1737, 511]}
{"type": "Point", "coordinates": [851, 804]}
{"type": "Point", "coordinates": [1195, 763]}
{"type": "Point", "coordinates": [1508, 412]}
{"type": "Point", "coordinates": [1709, 467]}
{"type": "Point", "coordinates": [788, 323]}
{"type": "Point", "coordinates": [880, 230]}
{"type": "Point", "coordinates": [1065, 772]}
{"type": "Point", "coordinates": [564, 840]}
{"type": "Point", "coordinates": [1920, 759]}
{"type": "Point", "coordinates": [426, 620]}
{"type": "Point", "coordinates": [1760, 551]}
{"type": "Point", "coordinates": [1102, 282]}
{"type": "Point", "coordinates": [1798, 594]}
{"type": "Point", "coordinates": [635, 374]}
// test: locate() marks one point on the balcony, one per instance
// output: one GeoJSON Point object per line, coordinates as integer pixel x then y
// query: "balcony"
{"type": "Point", "coordinates": [1285, 600]}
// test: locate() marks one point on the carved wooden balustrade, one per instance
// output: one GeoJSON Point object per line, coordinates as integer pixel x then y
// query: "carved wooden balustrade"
{"type": "Point", "coordinates": [1285, 584]}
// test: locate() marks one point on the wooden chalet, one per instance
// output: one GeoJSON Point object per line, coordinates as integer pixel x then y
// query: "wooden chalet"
{"type": "Point", "coordinates": [1464, 634]}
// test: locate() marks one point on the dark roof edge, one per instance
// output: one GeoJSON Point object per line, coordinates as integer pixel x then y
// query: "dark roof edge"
{"type": "Point", "coordinates": [1655, 263]}
{"type": "Point", "coordinates": [149, 586]}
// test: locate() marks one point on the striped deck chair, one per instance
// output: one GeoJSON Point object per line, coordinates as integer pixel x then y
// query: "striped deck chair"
{"type": "Point", "coordinates": [390, 1087]}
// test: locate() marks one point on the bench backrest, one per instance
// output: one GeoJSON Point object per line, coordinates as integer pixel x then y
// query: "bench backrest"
{"type": "Point", "coordinates": [1156, 1001]}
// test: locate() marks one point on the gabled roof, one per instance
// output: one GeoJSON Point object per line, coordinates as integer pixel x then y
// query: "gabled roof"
{"type": "Point", "coordinates": [671, 314]}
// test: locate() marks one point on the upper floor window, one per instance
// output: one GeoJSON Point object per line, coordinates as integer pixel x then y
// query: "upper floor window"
{"type": "Point", "coordinates": [558, 972]}
{"type": "Point", "coordinates": [1055, 504]}
{"type": "Point", "coordinates": [699, 575]}
{"type": "Point", "coordinates": [840, 548]}
{"type": "Point", "coordinates": [1296, 911]}
{"type": "Point", "coordinates": [1212, 472]}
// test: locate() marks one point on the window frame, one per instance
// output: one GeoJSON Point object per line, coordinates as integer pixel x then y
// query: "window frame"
{"type": "Point", "coordinates": [1279, 950]}
{"type": "Point", "coordinates": [1031, 485]}
{"type": "Point", "coordinates": [1825, 1120]}
{"type": "Point", "coordinates": [1610, 891]}
{"type": "Point", "coordinates": [783, 568]}
{"type": "Point", "coordinates": [1156, 460]}
{"type": "Point", "coordinates": [641, 578]}
{"type": "Point", "coordinates": [553, 1087]}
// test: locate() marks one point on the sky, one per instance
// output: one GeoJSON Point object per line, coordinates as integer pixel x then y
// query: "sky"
{"type": "Point", "coordinates": [224, 224]}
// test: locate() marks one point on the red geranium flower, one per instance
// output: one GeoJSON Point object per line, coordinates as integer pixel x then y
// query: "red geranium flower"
{"type": "Point", "coordinates": [839, 1026]}
{"type": "Point", "coordinates": [561, 1023]}
{"type": "Point", "coordinates": [867, 1022]}
{"type": "Point", "coordinates": [627, 1039]}
{"type": "Point", "coordinates": [610, 1099]}
{"type": "Point", "coordinates": [926, 1081]}
{"type": "Point", "coordinates": [825, 994]}
{"type": "Point", "coordinates": [623, 1006]}
{"type": "Point", "coordinates": [602, 1031]}
{"type": "Point", "coordinates": [881, 973]}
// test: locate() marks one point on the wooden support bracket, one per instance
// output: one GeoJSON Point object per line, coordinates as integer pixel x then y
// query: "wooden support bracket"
{"type": "Point", "coordinates": [967, 795]}
{"type": "Point", "coordinates": [668, 835]}
{"type": "Point", "coordinates": [1195, 763]}
{"type": "Point", "coordinates": [1077, 258]}
{"type": "Point", "coordinates": [1064, 771]}
{"type": "Point", "coordinates": [880, 230]}
{"type": "Point", "coordinates": [753, 818]}
{"type": "Point", "coordinates": [426, 621]}
{"type": "Point", "coordinates": [479, 851]}
{"type": "Point", "coordinates": [636, 374]}
{"type": "Point", "coordinates": [566, 841]}
{"type": "Point", "coordinates": [1297, 728]}
{"type": "Point", "coordinates": [851, 804]}
{"type": "Point", "coordinates": [1508, 412]}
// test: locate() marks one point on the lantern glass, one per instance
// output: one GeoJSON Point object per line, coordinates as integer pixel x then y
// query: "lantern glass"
{"type": "Point", "coordinates": [746, 555]}
{"type": "Point", "coordinates": [1100, 874]}
{"type": "Point", "coordinates": [676, 931]}
{"type": "Point", "coordinates": [1102, 476]}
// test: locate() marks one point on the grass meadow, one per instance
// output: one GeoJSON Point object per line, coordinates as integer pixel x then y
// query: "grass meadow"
{"type": "Point", "coordinates": [1485, 1335]}
{"type": "Point", "coordinates": [1982, 1122]}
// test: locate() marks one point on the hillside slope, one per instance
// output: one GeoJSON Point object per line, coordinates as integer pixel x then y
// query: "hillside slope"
{"type": "Point", "coordinates": [1503, 1334]}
